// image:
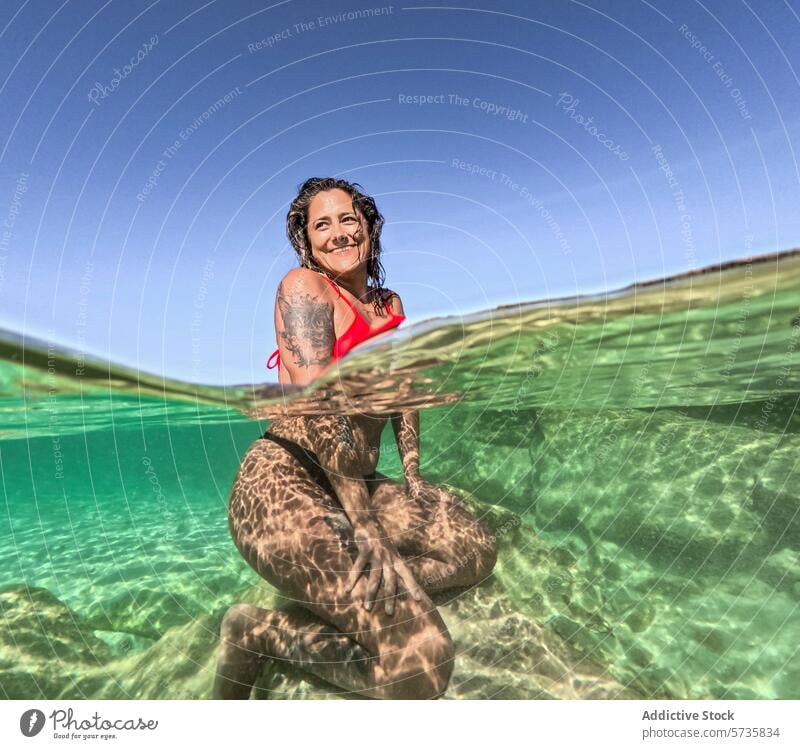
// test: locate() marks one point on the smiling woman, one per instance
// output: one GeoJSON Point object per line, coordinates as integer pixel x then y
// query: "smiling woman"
{"type": "Point", "coordinates": [310, 513]}
{"type": "Point", "coordinates": [340, 240]}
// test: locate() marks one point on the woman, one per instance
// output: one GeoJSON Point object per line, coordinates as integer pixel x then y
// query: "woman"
{"type": "Point", "coordinates": [357, 552]}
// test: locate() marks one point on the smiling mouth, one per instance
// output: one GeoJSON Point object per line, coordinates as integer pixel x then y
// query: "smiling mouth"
{"type": "Point", "coordinates": [343, 250]}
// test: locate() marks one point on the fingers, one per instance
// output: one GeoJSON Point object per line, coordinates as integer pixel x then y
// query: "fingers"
{"type": "Point", "coordinates": [357, 568]}
{"type": "Point", "coordinates": [373, 584]}
{"type": "Point", "coordinates": [389, 586]}
{"type": "Point", "coordinates": [387, 567]}
{"type": "Point", "coordinates": [410, 582]}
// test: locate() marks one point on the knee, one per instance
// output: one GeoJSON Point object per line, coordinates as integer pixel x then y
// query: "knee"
{"type": "Point", "coordinates": [235, 622]}
{"type": "Point", "coordinates": [482, 555]}
{"type": "Point", "coordinates": [423, 670]}
{"type": "Point", "coordinates": [487, 558]}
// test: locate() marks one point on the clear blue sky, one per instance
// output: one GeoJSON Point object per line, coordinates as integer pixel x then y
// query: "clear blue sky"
{"type": "Point", "coordinates": [143, 206]}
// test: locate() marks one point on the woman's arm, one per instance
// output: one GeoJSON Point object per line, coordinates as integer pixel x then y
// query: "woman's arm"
{"type": "Point", "coordinates": [304, 321]}
{"type": "Point", "coordinates": [406, 431]}
{"type": "Point", "coordinates": [332, 436]}
{"type": "Point", "coordinates": [406, 423]}
{"type": "Point", "coordinates": [335, 446]}
{"type": "Point", "coordinates": [304, 325]}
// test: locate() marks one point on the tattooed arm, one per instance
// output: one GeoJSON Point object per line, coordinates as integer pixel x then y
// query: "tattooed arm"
{"type": "Point", "coordinates": [304, 321]}
{"type": "Point", "coordinates": [406, 431]}
{"type": "Point", "coordinates": [304, 325]}
{"type": "Point", "coordinates": [331, 436]}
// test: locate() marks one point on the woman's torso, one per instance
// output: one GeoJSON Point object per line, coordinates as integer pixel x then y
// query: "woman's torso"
{"type": "Point", "coordinates": [367, 431]}
{"type": "Point", "coordinates": [365, 321]}
{"type": "Point", "coordinates": [367, 428]}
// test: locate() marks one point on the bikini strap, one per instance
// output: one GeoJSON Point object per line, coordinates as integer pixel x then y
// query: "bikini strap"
{"type": "Point", "coordinates": [336, 287]}
{"type": "Point", "coordinates": [347, 302]}
{"type": "Point", "coordinates": [388, 308]}
{"type": "Point", "coordinates": [274, 360]}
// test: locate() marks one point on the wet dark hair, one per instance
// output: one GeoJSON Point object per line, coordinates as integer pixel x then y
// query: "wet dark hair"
{"type": "Point", "coordinates": [297, 225]}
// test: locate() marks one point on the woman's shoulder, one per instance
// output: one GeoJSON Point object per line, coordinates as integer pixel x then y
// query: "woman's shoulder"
{"type": "Point", "coordinates": [392, 298]}
{"type": "Point", "coordinates": [302, 277]}
{"type": "Point", "coordinates": [301, 280]}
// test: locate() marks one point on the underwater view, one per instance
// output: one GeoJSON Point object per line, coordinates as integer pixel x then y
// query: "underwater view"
{"type": "Point", "coordinates": [635, 453]}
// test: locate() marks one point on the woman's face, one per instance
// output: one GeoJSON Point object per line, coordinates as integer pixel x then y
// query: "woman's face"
{"type": "Point", "coordinates": [338, 235]}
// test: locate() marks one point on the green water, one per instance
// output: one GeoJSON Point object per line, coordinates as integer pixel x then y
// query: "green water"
{"type": "Point", "coordinates": [636, 453]}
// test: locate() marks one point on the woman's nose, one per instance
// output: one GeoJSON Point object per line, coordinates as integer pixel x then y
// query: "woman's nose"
{"type": "Point", "coordinates": [340, 236]}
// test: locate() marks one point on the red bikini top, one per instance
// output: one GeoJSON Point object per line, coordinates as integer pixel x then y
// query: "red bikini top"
{"type": "Point", "coordinates": [358, 332]}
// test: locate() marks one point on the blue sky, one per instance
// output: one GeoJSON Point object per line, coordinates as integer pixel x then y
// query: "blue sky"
{"type": "Point", "coordinates": [518, 150]}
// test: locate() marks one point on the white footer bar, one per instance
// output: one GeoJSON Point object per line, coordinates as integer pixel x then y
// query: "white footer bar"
{"type": "Point", "coordinates": [348, 723]}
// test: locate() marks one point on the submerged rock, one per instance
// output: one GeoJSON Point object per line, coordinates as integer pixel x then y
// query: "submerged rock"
{"type": "Point", "coordinates": [180, 666]}
{"type": "Point", "coordinates": [143, 612]}
{"type": "Point", "coordinates": [47, 650]}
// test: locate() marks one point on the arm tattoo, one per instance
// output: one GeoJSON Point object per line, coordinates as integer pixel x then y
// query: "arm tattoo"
{"type": "Point", "coordinates": [333, 442]}
{"type": "Point", "coordinates": [406, 429]}
{"type": "Point", "coordinates": [307, 328]}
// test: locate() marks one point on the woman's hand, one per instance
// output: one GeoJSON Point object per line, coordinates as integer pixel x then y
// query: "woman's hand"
{"type": "Point", "coordinates": [426, 494]}
{"type": "Point", "coordinates": [385, 563]}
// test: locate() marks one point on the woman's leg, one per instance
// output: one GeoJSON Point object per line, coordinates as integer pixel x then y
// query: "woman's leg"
{"type": "Point", "coordinates": [249, 635]}
{"type": "Point", "coordinates": [298, 538]}
{"type": "Point", "coordinates": [442, 542]}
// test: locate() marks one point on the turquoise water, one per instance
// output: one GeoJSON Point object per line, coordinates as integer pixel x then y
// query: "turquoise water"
{"type": "Point", "coordinates": [636, 453]}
